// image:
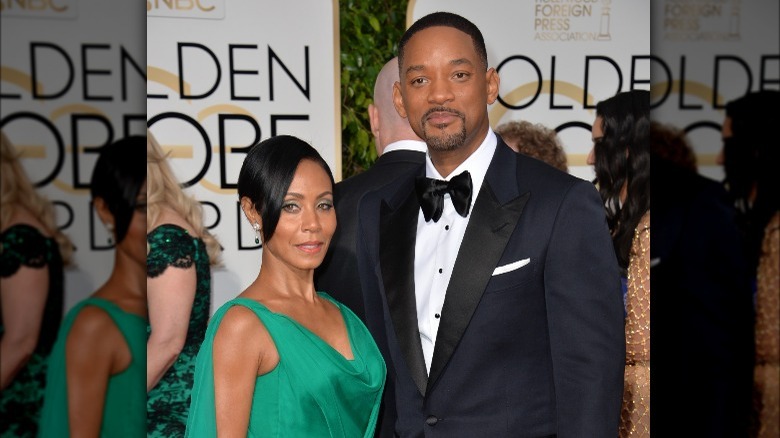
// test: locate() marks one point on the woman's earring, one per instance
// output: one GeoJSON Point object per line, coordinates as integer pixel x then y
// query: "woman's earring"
{"type": "Point", "coordinates": [110, 228]}
{"type": "Point", "coordinates": [257, 232]}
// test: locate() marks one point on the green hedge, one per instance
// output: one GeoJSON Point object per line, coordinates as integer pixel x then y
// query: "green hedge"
{"type": "Point", "coordinates": [370, 30]}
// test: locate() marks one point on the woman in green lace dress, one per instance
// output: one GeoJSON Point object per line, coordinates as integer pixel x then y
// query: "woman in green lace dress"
{"type": "Point", "coordinates": [283, 359]}
{"type": "Point", "coordinates": [32, 256]}
{"type": "Point", "coordinates": [179, 298]}
{"type": "Point", "coordinates": [94, 385]}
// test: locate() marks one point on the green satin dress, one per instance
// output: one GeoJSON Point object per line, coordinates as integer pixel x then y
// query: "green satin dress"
{"type": "Point", "coordinates": [124, 410]}
{"type": "Point", "coordinates": [313, 391]}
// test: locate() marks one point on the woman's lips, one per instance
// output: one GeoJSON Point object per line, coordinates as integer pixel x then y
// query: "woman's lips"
{"type": "Point", "coordinates": [310, 247]}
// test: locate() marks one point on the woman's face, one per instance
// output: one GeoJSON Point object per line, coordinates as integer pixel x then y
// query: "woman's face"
{"type": "Point", "coordinates": [307, 220]}
{"type": "Point", "coordinates": [597, 133]}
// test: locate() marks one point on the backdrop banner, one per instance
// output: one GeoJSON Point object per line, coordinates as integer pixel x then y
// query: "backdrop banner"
{"type": "Point", "coordinates": [221, 77]}
{"type": "Point", "coordinates": [707, 53]}
{"type": "Point", "coordinates": [71, 81]}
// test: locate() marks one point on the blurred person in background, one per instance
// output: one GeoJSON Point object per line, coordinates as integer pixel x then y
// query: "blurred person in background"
{"type": "Point", "coordinates": [534, 140]}
{"type": "Point", "coordinates": [179, 298]}
{"type": "Point", "coordinates": [671, 145]}
{"type": "Point", "coordinates": [621, 160]}
{"type": "Point", "coordinates": [32, 257]}
{"type": "Point", "coordinates": [750, 158]}
{"type": "Point", "coordinates": [702, 331]}
{"type": "Point", "coordinates": [94, 385]}
{"type": "Point", "coordinates": [399, 150]}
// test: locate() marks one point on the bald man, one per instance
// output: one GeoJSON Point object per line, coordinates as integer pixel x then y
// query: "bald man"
{"type": "Point", "coordinates": [400, 150]}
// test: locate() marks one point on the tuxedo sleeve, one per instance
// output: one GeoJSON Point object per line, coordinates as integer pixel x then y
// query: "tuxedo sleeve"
{"type": "Point", "coordinates": [367, 251]}
{"type": "Point", "coordinates": [585, 317]}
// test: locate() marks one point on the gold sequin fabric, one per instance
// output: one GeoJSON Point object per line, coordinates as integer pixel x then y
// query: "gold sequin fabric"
{"type": "Point", "coordinates": [635, 413]}
{"type": "Point", "coordinates": [766, 378]}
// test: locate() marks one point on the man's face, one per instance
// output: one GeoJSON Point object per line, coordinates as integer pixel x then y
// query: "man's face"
{"type": "Point", "coordinates": [444, 90]}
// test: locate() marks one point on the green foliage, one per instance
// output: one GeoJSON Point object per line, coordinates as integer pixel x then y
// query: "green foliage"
{"type": "Point", "coordinates": [370, 31]}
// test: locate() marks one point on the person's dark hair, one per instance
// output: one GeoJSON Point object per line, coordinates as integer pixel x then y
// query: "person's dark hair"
{"type": "Point", "coordinates": [119, 174]}
{"type": "Point", "coordinates": [622, 158]}
{"type": "Point", "coordinates": [750, 160]}
{"type": "Point", "coordinates": [671, 144]}
{"type": "Point", "coordinates": [267, 173]}
{"type": "Point", "coordinates": [445, 19]}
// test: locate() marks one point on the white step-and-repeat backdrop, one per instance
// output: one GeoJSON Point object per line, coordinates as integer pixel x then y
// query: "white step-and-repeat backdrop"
{"type": "Point", "coordinates": [72, 79]}
{"type": "Point", "coordinates": [223, 75]}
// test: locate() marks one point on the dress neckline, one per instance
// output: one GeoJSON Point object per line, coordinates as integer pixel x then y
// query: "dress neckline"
{"type": "Point", "coordinates": [353, 362]}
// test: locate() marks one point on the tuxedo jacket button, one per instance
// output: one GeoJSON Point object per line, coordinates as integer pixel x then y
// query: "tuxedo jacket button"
{"type": "Point", "coordinates": [431, 420]}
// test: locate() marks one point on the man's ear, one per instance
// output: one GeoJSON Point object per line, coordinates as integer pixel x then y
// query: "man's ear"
{"type": "Point", "coordinates": [373, 119]}
{"type": "Point", "coordinates": [103, 212]}
{"type": "Point", "coordinates": [398, 100]}
{"type": "Point", "coordinates": [492, 83]}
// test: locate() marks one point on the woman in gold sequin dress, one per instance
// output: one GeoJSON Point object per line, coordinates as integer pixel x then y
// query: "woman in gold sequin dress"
{"type": "Point", "coordinates": [750, 156]}
{"type": "Point", "coordinates": [620, 157]}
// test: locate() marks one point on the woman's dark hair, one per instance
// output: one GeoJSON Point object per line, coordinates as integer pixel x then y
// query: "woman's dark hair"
{"type": "Point", "coordinates": [750, 160]}
{"type": "Point", "coordinates": [117, 179]}
{"type": "Point", "coordinates": [622, 158]}
{"type": "Point", "coordinates": [267, 173]}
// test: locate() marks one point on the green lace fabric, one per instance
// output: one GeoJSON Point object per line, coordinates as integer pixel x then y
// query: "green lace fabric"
{"type": "Point", "coordinates": [22, 399]}
{"type": "Point", "coordinates": [168, 403]}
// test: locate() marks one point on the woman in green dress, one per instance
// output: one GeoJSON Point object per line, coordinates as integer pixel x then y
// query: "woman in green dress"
{"type": "Point", "coordinates": [178, 298]}
{"type": "Point", "coordinates": [94, 385]}
{"type": "Point", "coordinates": [32, 254]}
{"type": "Point", "coordinates": [283, 359]}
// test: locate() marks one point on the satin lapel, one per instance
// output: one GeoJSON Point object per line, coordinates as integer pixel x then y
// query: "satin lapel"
{"type": "Point", "coordinates": [490, 227]}
{"type": "Point", "coordinates": [398, 232]}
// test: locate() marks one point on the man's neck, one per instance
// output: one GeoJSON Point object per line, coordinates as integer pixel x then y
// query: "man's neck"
{"type": "Point", "coordinates": [447, 161]}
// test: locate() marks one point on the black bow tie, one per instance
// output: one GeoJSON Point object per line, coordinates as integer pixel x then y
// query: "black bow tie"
{"type": "Point", "coordinates": [430, 193]}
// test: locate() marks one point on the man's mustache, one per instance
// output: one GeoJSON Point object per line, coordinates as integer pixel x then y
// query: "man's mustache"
{"type": "Point", "coordinates": [442, 109]}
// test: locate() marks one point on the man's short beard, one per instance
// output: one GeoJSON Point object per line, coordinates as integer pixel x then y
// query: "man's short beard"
{"type": "Point", "coordinates": [444, 142]}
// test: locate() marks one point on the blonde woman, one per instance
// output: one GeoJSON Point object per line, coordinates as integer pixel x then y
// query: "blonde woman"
{"type": "Point", "coordinates": [180, 251]}
{"type": "Point", "coordinates": [31, 260]}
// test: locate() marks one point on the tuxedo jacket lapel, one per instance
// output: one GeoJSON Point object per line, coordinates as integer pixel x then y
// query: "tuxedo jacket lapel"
{"type": "Point", "coordinates": [493, 220]}
{"type": "Point", "coordinates": [398, 232]}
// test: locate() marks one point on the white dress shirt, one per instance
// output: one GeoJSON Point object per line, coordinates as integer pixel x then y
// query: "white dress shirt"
{"type": "Point", "coordinates": [437, 245]}
{"type": "Point", "coordinates": [406, 145]}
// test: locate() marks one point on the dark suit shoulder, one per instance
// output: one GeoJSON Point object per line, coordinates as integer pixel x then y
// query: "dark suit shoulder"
{"type": "Point", "coordinates": [545, 181]}
{"type": "Point", "coordinates": [388, 169]}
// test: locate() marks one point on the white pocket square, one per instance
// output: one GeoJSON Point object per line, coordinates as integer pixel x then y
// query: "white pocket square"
{"type": "Point", "coordinates": [511, 267]}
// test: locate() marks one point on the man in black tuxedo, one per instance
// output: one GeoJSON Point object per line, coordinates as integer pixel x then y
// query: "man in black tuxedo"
{"type": "Point", "coordinates": [494, 292]}
{"type": "Point", "coordinates": [399, 150]}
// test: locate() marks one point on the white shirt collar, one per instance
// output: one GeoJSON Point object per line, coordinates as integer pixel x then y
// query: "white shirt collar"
{"type": "Point", "coordinates": [477, 164]}
{"type": "Point", "coordinates": [406, 145]}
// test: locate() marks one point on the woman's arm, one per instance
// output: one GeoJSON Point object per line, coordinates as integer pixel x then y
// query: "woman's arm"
{"type": "Point", "coordinates": [95, 350]}
{"type": "Point", "coordinates": [23, 300]}
{"type": "Point", "coordinates": [243, 349]}
{"type": "Point", "coordinates": [169, 297]}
